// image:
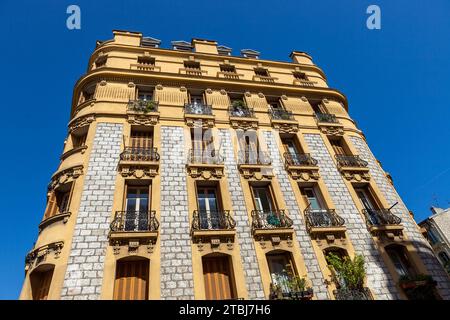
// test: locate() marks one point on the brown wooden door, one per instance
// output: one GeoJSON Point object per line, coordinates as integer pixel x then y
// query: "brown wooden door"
{"type": "Point", "coordinates": [218, 278]}
{"type": "Point", "coordinates": [40, 284]}
{"type": "Point", "coordinates": [131, 280]}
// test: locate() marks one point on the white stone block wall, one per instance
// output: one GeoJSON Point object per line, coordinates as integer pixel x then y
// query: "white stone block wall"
{"type": "Point", "coordinates": [176, 256]}
{"type": "Point", "coordinates": [84, 274]}
{"type": "Point", "coordinates": [379, 279]}
{"type": "Point", "coordinates": [293, 211]}
{"type": "Point", "coordinates": [425, 251]}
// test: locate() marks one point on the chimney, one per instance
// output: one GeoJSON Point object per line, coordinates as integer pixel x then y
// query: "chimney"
{"type": "Point", "coordinates": [204, 46]}
{"type": "Point", "coordinates": [301, 57]}
{"type": "Point", "coordinates": [436, 210]}
{"type": "Point", "coordinates": [127, 37]}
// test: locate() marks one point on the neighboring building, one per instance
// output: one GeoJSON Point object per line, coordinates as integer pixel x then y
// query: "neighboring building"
{"type": "Point", "coordinates": [191, 173]}
{"type": "Point", "coordinates": [436, 229]}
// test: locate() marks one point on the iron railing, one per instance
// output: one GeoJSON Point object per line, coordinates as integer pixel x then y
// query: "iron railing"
{"type": "Point", "coordinates": [350, 161]}
{"type": "Point", "coordinates": [283, 287]}
{"type": "Point", "coordinates": [242, 112]}
{"type": "Point", "coordinates": [254, 157]}
{"type": "Point", "coordinates": [198, 108]}
{"type": "Point", "coordinates": [380, 217]}
{"type": "Point", "coordinates": [322, 218]}
{"type": "Point", "coordinates": [280, 114]}
{"type": "Point", "coordinates": [326, 117]}
{"type": "Point", "coordinates": [208, 156]}
{"type": "Point", "coordinates": [270, 219]}
{"type": "Point", "coordinates": [212, 220]}
{"type": "Point", "coordinates": [141, 105]}
{"type": "Point", "coordinates": [352, 294]}
{"type": "Point", "coordinates": [299, 159]}
{"type": "Point", "coordinates": [134, 221]}
{"type": "Point", "coordinates": [139, 154]}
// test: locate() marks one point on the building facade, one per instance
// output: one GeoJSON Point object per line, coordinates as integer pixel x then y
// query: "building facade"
{"type": "Point", "coordinates": [436, 229]}
{"type": "Point", "coordinates": [190, 173]}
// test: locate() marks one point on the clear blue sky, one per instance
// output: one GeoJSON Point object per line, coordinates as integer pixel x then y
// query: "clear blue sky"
{"type": "Point", "coordinates": [396, 80]}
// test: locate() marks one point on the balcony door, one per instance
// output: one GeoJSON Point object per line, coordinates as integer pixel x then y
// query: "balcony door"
{"type": "Point", "coordinates": [317, 210]}
{"type": "Point", "coordinates": [368, 204]}
{"type": "Point", "coordinates": [263, 199]}
{"type": "Point", "coordinates": [312, 199]}
{"type": "Point", "coordinates": [338, 147]}
{"type": "Point", "coordinates": [141, 139]}
{"type": "Point", "coordinates": [137, 208]}
{"type": "Point", "coordinates": [218, 278]}
{"type": "Point", "coordinates": [248, 143]}
{"type": "Point", "coordinates": [202, 146]}
{"type": "Point", "coordinates": [291, 148]}
{"type": "Point", "coordinates": [400, 259]}
{"type": "Point", "coordinates": [208, 207]}
{"type": "Point", "coordinates": [281, 270]}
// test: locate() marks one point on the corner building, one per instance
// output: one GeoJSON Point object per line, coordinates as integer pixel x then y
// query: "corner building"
{"type": "Point", "coordinates": [191, 173]}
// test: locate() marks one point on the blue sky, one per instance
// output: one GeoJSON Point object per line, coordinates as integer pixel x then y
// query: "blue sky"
{"type": "Point", "coordinates": [396, 80]}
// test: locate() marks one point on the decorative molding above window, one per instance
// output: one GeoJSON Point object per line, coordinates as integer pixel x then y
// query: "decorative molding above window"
{"type": "Point", "coordinates": [81, 122]}
{"type": "Point", "coordinates": [65, 176]}
{"type": "Point", "coordinates": [40, 255]}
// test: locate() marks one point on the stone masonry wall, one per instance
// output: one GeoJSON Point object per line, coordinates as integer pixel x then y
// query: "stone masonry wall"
{"type": "Point", "coordinates": [249, 260]}
{"type": "Point", "coordinates": [312, 265]}
{"type": "Point", "coordinates": [176, 256]}
{"type": "Point", "coordinates": [379, 279]}
{"type": "Point", "coordinates": [424, 249]}
{"type": "Point", "coordinates": [84, 274]}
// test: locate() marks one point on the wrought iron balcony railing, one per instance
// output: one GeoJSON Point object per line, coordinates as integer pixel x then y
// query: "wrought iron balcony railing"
{"type": "Point", "coordinates": [326, 118]}
{"type": "Point", "coordinates": [280, 114]}
{"type": "Point", "coordinates": [288, 287]}
{"type": "Point", "coordinates": [350, 161]}
{"type": "Point", "coordinates": [322, 218]}
{"type": "Point", "coordinates": [198, 108]}
{"type": "Point", "coordinates": [134, 221]}
{"type": "Point", "coordinates": [242, 112]}
{"type": "Point", "coordinates": [270, 219]}
{"type": "Point", "coordinates": [299, 159]}
{"type": "Point", "coordinates": [212, 220]}
{"type": "Point", "coordinates": [139, 154]}
{"type": "Point", "coordinates": [352, 294]}
{"type": "Point", "coordinates": [381, 217]}
{"type": "Point", "coordinates": [254, 157]}
{"type": "Point", "coordinates": [206, 156]}
{"type": "Point", "coordinates": [142, 105]}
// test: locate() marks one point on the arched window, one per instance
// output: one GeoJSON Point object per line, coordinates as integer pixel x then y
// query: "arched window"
{"type": "Point", "coordinates": [218, 277]}
{"type": "Point", "coordinates": [132, 279]}
{"type": "Point", "coordinates": [399, 257]}
{"type": "Point", "coordinates": [444, 257]}
{"type": "Point", "coordinates": [41, 279]}
{"type": "Point", "coordinates": [282, 269]}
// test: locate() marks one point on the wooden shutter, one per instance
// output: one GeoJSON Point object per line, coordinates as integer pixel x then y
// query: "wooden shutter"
{"type": "Point", "coordinates": [40, 284]}
{"type": "Point", "coordinates": [337, 147]}
{"type": "Point", "coordinates": [218, 278]}
{"type": "Point", "coordinates": [131, 280]}
{"type": "Point", "coordinates": [52, 206]}
{"type": "Point", "coordinates": [141, 139]}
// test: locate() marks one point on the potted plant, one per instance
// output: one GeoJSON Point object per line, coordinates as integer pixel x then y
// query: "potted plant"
{"type": "Point", "coordinates": [295, 288]}
{"type": "Point", "coordinates": [348, 274]}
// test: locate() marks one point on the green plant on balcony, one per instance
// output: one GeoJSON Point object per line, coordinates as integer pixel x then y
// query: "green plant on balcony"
{"type": "Point", "coordinates": [292, 287]}
{"type": "Point", "coordinates": [349, 274]}
{"type": "Point", "coordinates": [273, 220]}
{"type": "Point", "coordinates": [238, 105]}
{"type": "Point", "coordinates": [145, 106]}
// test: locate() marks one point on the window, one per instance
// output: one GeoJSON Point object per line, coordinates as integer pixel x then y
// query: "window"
{"type": "Point", "coordinates": [58, 202]}
{"type": "Point", "coordinates": [132, 279]}
{"type": "Point", "coordinates": [202, 146]}
{"type": "Point", "coordinates": [40, 280]}
{"type": "Point", "coordinates": [263, 199]}
{"type": "Point", "coordinates": [399, 258]}
{"type": "Point", "coordinates": [148, 61]}
{"type": "Point", "coordinates": [312, 198]}
{"type": "Point", "coordinates": [338, 147]}
{"type": "Point", "coordinates": [196, 99]}
{"type": "Point", "coordinates": [208, 207]}
{"type": "Point", "coordinates": [192, 65]}
{"type": "Point", "coordinates": [318, 107]}
{"type": "Point", "coordinates": [79, 140]}
{"type": "Point", "coordinates": [141, 139]}
{"type": "Point", "coordinates": [291, 146]}
{"type": "Point", "coordinates": [274, 104]}
{"type": "Point", "coordinates": [300, 76]}
{"type": "Point", "coordinates": [281, 268]}
{"type": "Point", "coordinates": [366, 199]}
{"type": "Point", "coordinates": [249, 148]}
{"type": "Point", "coordinates": [137, 208]}
{"type": "Point", "coordinates": [100, 61]}
{"type": "Point", "coordinates": [218, 277]}
{"type": "Point", "coordinates": [434, 239]}
{"type": "Point", "coordinates": [227, 68]}
{"type": "Point", "coordinates": [145, 94]}
{"type": "Point", "coordinates": [444, 257]}
{"type": "Point", "coordinates": [261, 72]}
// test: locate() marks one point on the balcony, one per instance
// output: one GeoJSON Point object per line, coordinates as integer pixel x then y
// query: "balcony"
{"type": "Point", "coordinates": [143, 112]}
{"type": "Point", "coordinates": [139, 162]}
{"type": "Point", "coordinates": [140, 226]}
{"type": "Point", "coordinates": [198, 114]}
{"type": "Point", "coordinates": [353, 168]}
{"type": "Point", "coordinates": [255, 164]}
{"type": "Point", "coordinates": [283, 120]}
{"type": "Point", "coordinates": [271, 223]}
{"type": "Point", "coordinates": [144, 67]}
{"type": "Point", "coordinates": [324, 223]}
{"type": "Point", "coordinates": [352, 294]}
{"type": "Point", "coordinates": [329, 124]}
{"type": "Point", "coordinates": [288, 287]}
{"type": "Point", "coordinates": [205, 163]}
{"type": "Point", "coordinates": [242, 117]}
{"type": "Point", "coordinates": [262, 78]}
{"type": "Point", "coordinates": [214, 227]}
{"type": "Point", "coordinates": [383, 222]}
{"type": "Point", "coordinates": [229, 75]}
{"type": "Point", "coordinates": [301, 166]}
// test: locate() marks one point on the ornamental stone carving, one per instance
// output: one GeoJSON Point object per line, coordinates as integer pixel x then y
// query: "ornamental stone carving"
{"type": "Point", "coordinates": [65, 176]}
{"type": "Point", "coordinates": [81, 122]}
{"type": "Point", "coordinates": [139, 171]}
{"type": "Point", "coordinates": [205, 172]}
{"type": "Point", "coordinates": [39, 255]}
